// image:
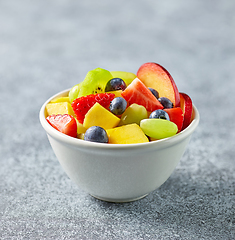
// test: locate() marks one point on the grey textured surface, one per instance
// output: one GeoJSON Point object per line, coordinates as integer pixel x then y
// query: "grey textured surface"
{"type": "Point", "coordinates": [48, 46]}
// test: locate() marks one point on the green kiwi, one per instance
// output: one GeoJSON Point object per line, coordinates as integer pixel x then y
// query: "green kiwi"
{"type": "Point", "coordinates": [94, 82]}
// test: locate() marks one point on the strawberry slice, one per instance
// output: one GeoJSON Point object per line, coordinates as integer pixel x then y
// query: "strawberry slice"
{"type": "Point", "coordinates": [64, 123]}
{"type": "Point", "coordinates": [176, 116]}
{"type": "Point", "coordinates": [81, 105]}
{"type": "Point", "coordinates": [138, 93]}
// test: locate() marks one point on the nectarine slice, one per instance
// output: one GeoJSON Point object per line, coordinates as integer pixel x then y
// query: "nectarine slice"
{"type": "Point", "coordinates": [187, 106]}
{"type": "Point", "coordinates": [157, 77]}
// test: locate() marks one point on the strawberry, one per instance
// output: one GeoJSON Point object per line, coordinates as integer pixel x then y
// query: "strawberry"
{"type": "Point", "coordinates": [138, 93]}
{"type": "Point", "coordinates": [83, 104]}
{"type": "Point", "coordinates": [64, 123]}
{"type": "Point", "coordinates": [176, 116]}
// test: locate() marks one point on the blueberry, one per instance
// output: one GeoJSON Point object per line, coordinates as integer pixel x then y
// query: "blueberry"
{"type": "Point", "coordinates": [159, 114]}
{"type": "Point", "coordinates": [115, 84]}
{"type": "Point", "coordinates": [166, 102]}
{"type": "Point", "coordinates": [154, 92]}
{"type": "Point", "coordinates": [96, 134]}
{"type": "Point", "coordinates": [118, 105]}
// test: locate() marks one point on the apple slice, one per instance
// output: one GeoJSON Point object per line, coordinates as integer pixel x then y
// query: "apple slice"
{"type": "Point", "coordinates": [157, 77]}
{"type": "Point", "coordinates": [187, 106]}
{"type": "Point", "coordinates": [176, 116]}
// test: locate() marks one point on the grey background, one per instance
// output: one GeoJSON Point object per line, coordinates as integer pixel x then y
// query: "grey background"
{"type": "Point", "coordinates": [48, 46]}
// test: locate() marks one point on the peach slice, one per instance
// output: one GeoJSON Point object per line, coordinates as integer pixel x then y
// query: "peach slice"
{"type": "Point", "coordinates": [187, 106]}
{"type": "Point", "coordinates": [157, 77]}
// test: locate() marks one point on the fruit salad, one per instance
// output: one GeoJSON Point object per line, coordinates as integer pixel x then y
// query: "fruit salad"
{"type": "Point", "coordinates": [116, 107]}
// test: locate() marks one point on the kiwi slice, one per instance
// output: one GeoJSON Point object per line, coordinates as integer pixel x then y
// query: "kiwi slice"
{"type": "Point", "coordinates": [94, 82]}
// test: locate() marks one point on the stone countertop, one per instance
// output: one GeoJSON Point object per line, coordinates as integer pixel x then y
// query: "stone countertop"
{"type": "Point", "coordinates": [48, 46]}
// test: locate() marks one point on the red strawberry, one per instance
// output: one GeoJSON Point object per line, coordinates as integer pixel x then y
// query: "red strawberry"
{"type": "Point", "coordinates": [138, 93]}
{"type": "Point", "coordinates": [64, 123]}
{"type": "Point", "coordinates": [176, 116]}
{"type": "Point", "coordinates": [83, 104]}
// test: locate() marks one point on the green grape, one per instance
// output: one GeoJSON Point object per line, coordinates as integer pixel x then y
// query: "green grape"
{"type": "Point", "coordinates": [127, 77]}
{"type": "Point", "coordinates": [133, 114]}
{"type": "Point", "coordinates": [74, 91]}
{"type": "Point", "coordinates": [158, 128]}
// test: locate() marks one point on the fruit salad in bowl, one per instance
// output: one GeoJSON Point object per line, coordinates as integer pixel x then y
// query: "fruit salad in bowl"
{"type": "Point", "coordinates": [119, 135]}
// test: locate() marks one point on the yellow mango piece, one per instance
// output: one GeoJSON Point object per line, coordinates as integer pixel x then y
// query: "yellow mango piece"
{"type": "Point", "coordinates": [81, 136]}
{"type": "Point", "coordinates": [117, 93]}
{"type": "Point", "coordinates": [60, 99]}
{"type": "Point", "coordinates": [59, 108]}
{"type": "Point", "coordinates": [100, 116]}
{"type": "Point", "coordinates": [80, 128]}
{"type": "Point", "coordinates": [127, 134]}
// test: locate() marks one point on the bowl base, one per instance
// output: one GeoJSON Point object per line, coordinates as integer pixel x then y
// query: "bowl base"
{"type": "Point", "coordinates": [113, 200]}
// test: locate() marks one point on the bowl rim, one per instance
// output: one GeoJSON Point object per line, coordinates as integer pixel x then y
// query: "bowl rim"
{"type": "Point", "coordinates": [86, 144]}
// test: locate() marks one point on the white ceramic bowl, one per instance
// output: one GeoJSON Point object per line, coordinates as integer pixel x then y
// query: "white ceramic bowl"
{"type": "Point", "coordinates": [117, 172]}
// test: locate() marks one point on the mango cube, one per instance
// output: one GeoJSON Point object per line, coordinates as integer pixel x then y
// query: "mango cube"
{"type": "Point", "coordinates": [117, 93]}
{"type": "Point", "coordinates": [127, 134]}
{"type": "Point", "coordinates": [60, 99]}
{"type": "Point", "coordinates": [59, 108]}
{"type": "Point", "coordinates": [100, 116]}
{"type": "Point", "coordinates": [80, 128]}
